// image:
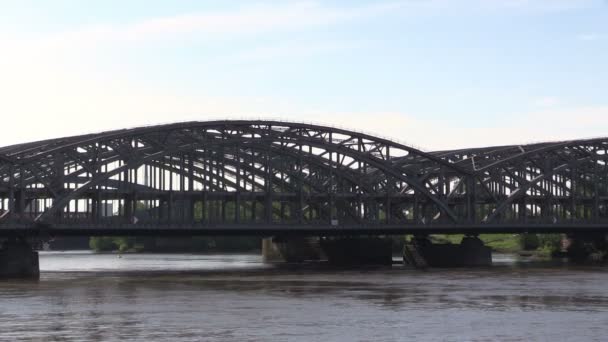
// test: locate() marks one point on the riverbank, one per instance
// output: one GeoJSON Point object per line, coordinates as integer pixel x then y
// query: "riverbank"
{"type": "Point", "coordinates": [541, 246]}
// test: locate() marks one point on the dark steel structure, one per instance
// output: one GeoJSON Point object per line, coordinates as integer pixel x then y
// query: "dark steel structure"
{"type": "Point", "coordinates": [272, 177]}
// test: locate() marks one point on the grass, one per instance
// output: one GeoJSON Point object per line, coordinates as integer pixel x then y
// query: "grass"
{"type": "Point", "coordinates": [504, 243]}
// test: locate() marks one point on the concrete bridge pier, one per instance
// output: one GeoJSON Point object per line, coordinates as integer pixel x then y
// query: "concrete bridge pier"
{"type": "Point", "coordinates": [18, 260]}
{"type": "Point", "coordinates": [358, 250]}
{"type": "Point", "coordinates": [336, 250]}
{"type": "Point", "coordinates": [471, 251]}
{"type": "Point", "coordinates": [290, 249]}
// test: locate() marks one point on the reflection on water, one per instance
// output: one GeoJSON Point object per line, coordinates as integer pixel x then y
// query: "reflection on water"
{"type": "Point", "coordinates": [91, 262]}
{"type": "Point", "coordinates": [147, 297]}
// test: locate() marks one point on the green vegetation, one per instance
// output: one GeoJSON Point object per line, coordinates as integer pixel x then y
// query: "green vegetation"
{"type": "Point", "coordinates": [529, 242]}
{"type": "Point", "coordinates": [550, 244]}
{"type": "Point", "coordinates": [540, 244]}
{"type": "Point", "coordinates": [106, 243]}
{"type": "Point", "coordinates": [102, 243]}
{"type": "Point", "coordinates": [505, 243]}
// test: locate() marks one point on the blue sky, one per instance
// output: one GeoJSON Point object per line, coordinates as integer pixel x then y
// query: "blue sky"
{"type": "Point", "coordinates": [433, 73]}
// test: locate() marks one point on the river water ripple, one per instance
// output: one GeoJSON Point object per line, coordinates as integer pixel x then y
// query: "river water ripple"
{"type": "Point", "coordinates": [167, 297]}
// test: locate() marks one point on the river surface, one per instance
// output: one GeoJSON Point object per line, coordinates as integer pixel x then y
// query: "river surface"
{"type": "Point", "coordinates": [83, 296]}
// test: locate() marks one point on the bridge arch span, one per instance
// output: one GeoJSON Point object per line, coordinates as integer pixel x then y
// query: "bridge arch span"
{"type": "Point", "coordinates": [248, 174]}
{"type": "Point", "coordinates": [321, 174]}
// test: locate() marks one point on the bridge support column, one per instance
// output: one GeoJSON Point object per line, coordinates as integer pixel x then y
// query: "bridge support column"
{"type": "Point", "coordinates": [18, 260]}
{"type": "Point", "coordinates": [358, 250]}
{"type": "Point", "coordinates": [290, 249]}
{"type": "Point", "coordinates": [471, 251]}
{"type": "Point", "coordinates": [270, 251]}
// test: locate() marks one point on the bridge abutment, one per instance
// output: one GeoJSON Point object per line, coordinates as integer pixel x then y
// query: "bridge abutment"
{"type": "Point", "coordinates": [18, 260]}
{"type": "Point", "coordinates": [471, 252]}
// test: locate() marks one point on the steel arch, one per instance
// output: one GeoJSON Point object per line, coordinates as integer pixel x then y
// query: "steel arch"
{"type": "Point", "coordinates": [254, 172]}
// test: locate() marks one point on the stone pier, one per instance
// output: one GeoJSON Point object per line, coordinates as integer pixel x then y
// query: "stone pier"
{"type": "Point", "coordinates": [290, 249]}
{"type": "Point", "coordinates": [18, 260]}
{"type": "Point", "coordinates": [471, 251]}
{"type": "Point", "coordinates": [358, 250]}
{"type": "Point", "coordinates": [336, 250]}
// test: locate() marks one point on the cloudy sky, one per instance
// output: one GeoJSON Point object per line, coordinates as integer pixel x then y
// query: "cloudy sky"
{"type": "Point", "coordinates": [435, 74]}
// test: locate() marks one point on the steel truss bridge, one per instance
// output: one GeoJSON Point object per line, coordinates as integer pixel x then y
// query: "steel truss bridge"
{"type": "Point", "coordinates": [273, 177]}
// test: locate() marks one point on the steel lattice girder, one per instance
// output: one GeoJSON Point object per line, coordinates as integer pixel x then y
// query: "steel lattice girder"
{"type": "Point", "coordinates": [281, 172]}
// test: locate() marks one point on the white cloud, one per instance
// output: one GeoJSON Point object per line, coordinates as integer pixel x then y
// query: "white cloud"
{"type": "Point", "coordinates": [286, 17]}
{"type": "Point", "coordinates": [48, 92]}
{"type": "Point", "coordinates": [260, 18]}
{"type": "Point", "coordinates": [211, 25]}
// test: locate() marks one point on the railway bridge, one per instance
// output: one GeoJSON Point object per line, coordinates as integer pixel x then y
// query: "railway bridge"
{"type": "Point", "coordinates": [257, 177]}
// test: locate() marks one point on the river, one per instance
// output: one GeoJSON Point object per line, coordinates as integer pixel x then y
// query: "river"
{"type": "Point", "coordinates": [83, 296]}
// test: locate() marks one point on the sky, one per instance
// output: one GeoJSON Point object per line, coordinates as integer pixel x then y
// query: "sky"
{"type": "Point", "coordinates": [434, 74]}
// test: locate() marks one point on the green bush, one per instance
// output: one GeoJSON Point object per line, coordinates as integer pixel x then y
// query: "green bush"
{"type": "Point", "coordinates": [102, 243]}
{"type": "Point", "coordinates": [529, 242]}
{"type": "Point", "coordinates": [551, 241]}
{"type": "Point", "coordinates": [107, 243]}
{"type": "Point", "coordinates": [124, 243]}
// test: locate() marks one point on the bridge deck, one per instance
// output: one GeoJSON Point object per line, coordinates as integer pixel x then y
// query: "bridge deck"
{"type": "Point", "coordinates": [278, 229]}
